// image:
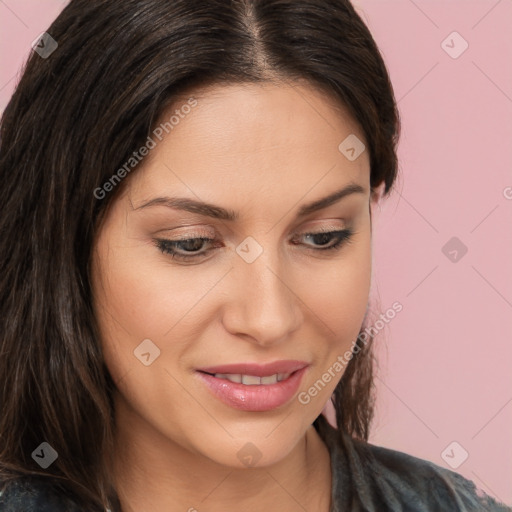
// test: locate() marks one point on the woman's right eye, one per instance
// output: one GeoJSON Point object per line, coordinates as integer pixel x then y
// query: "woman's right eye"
{"type": "Point", "coordinates": [190, 245]}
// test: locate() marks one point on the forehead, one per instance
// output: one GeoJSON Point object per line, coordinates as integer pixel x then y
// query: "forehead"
{"type": "Point", "coordinates": [262, 116]}
{"type": "Point", "coordinates": [249, 136]}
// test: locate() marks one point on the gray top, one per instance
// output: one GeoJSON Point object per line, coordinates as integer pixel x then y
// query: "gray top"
{"type": "Point", "coordinates": [370, 478]}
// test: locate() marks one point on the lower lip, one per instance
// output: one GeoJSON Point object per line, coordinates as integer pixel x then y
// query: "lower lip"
{"type": "Point", "coordinates": [254, 398]}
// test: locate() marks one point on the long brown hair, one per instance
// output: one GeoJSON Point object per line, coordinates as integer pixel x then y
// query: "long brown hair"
{"type": "Point", "coordinates": [77, 116]}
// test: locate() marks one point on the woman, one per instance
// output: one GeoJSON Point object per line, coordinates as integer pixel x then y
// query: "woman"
{"type": "Point", "coordinates": [186, 264]}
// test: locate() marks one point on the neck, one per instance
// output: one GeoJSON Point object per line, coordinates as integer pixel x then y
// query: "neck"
{"type": "Point", "coordinates": [154, 473]}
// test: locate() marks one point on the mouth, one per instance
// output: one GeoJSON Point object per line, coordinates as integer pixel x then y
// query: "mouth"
{"type": "Point", "coordinates": [254, 389]}
{"type": "Point", "coordinates": [251, 380]}
{"type": "Point", "coordinates": [283, 367]}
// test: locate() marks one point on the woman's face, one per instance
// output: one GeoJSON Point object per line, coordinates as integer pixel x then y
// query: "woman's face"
{"type": "Point", "coordinates": [260, 290]}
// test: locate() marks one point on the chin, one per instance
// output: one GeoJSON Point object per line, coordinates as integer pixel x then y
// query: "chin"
{"type": "Point", "coordinates": [252, 451]}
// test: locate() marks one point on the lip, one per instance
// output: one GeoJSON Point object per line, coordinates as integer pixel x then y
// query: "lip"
{"type": "Point", "coordinates": [258, 370]}
{"type": "Point", "coordinates": [253, 398]}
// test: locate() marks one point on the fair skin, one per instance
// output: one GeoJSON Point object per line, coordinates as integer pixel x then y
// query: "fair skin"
{"type": "Point", "coordinates": [262, 151]}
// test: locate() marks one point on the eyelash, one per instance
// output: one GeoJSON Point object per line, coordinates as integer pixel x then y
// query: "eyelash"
{"type": "Point", "coordinates": [344, 237]}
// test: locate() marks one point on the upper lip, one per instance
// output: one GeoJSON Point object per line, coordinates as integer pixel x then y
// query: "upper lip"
{"type": "Point", "coordinates": [258, 370]}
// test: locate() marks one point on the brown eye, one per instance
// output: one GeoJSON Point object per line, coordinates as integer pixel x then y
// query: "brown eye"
{"type": "Point", "coordinates": [322, 238]}
{"type": "Point", "coordinates": [178, 249]}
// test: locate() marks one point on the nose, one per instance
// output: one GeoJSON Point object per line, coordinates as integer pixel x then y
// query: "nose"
{"type": "Point", "coordinates": [263, 306]}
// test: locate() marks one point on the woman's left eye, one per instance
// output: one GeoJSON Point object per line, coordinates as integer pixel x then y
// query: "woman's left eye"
{"type": "Point", "coordinates": [178, 248]}
{"type": "Point", "coordinates": [341, 237]}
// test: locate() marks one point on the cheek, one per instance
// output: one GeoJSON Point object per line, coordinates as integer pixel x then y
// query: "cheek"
{"type": "Point", "coordinates": [341, 303]}
{"type": "Point", "coordinates": [342, 293]}
{"type": "Point", "coordinates": [139, 300]}
{"type": "Point", "coordinates": [136, 301]}
{"type": "Point", "coordinates": [141, 296]}
{"type": "Point", "coordinates": [127, 302]}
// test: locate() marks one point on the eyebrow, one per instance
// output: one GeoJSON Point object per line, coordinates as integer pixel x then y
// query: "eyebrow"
{"type": "Point", "coordinates": [217, 212]}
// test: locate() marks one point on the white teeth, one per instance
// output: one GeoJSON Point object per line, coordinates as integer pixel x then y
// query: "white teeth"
{"type": "Point", "coordinates": [232, 377]}
{"type": "Point", "coordinates": [253, 380]}
{"type": "Point", "coordinates": [271, 379]}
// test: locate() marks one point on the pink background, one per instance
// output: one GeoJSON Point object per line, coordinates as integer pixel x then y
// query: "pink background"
{"type": "Point", "coordinates": [445, 360]}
